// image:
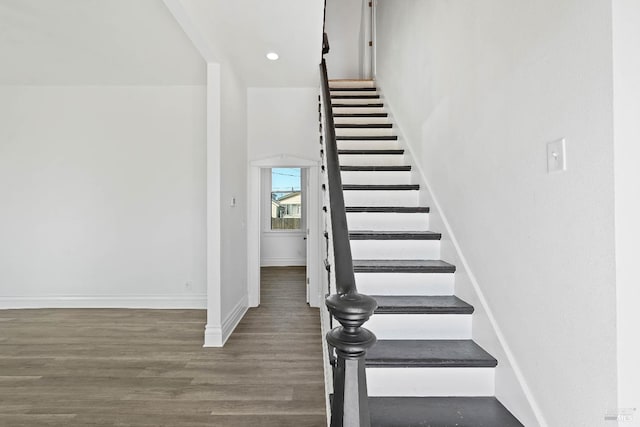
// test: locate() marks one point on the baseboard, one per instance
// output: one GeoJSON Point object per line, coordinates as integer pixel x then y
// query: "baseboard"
{"type": "Point", "coordinates": [196, 302]}
{"type": "Point", "coordinates": [217, 336]}
{"type": "Point", "coordinates": [213, 336]}
{"type": "Point", "coordinates": [229, 324]}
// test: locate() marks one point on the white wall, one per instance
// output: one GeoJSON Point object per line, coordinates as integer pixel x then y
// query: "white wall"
{"type": "Point", "coordinates": [626, 45]}
{"type": "Point", "coordinates": [79, 42]}
{"type": "Point", "coordinates": [283, 121]}
{"type": "Point", "coordinates": [103, 196]}
{"type": "Point", "coordinates": [226, 203]}
{"type": "Point", "coordinates": [343, 27]}
{"type": "Point", "coordinates": [478, 89]}
{"type": "Point", "coordinates": [233, 160]}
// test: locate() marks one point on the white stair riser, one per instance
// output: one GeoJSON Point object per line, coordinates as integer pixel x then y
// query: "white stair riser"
{"type": "Point", "coordinates": [353, 92]}
{"type": "Point", "coordinates": [395, 249]}
{"type": "Point", "coordinates": [430, 381]}
{"type": "Point", "coordinates": [381, 198]}
{"type": "Point", "coordinates": [357, 110]}
{"type": "Point", "coordinates": [371, 159]}
{"type": "Point", "coordinates": [420, 326]}
{"type": "Point", "coordinates": [360, 120]}
{"type": "Point", "coordinates": [389, 221]}
{"type": "Point", "coordinates": [376, 177]}
{"type": "Point", "coordinates": [368, 145]}
{"type": "Point", "coordinates": [405, 283]}
{"type": "Point", "coordinates": [364, 131]}
{"type": "Point", "coordinates": [350, 83]}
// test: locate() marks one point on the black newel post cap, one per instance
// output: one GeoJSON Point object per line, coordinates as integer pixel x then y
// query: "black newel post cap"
{"type": "Point", "coordinates": [351, 309]}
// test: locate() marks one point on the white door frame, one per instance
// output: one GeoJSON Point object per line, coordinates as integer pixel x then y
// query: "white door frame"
{"type": "Point", "coordinates": [254, 228]}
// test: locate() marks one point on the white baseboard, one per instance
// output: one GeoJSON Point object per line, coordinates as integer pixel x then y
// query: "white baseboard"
{"type": "Point", "coordinates": [229, 324]}
{"type": "Point", "coordinates": [217, 336]}
{"type": "Point", "coordinates": [197, 302]}
{"type": "Point", "coordinates": [213, 336]}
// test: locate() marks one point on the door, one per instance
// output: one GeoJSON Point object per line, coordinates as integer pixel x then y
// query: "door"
{"type": "Point", "coordinates": [284, 224]}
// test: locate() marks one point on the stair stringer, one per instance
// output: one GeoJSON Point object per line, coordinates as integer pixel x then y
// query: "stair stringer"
{"type": "Point", "coordinates": [511, 387]}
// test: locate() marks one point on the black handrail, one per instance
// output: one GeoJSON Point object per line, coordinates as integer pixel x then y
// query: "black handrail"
{"type": "Point", "coordinates": [345, 280]}
{"type": "Point", "coordinates": [350, 407]}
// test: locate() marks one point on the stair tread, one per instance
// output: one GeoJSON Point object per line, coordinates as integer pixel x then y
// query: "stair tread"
{"type": "Point", "coordinates": [387, 209]}
{"type": "Point", "coordinates": [367, 138]}
{"type": "Point", "coordinates": [429, 353]}
{"type": "Point", "coordinates": [363, 96]}
{"type": "Point", "coordinates": [360, 115]}
{"type": "Point", "coordinates": [420, 304]}
{"type": "Point", "coordinates": [398, 151]}
{"type": "Point", "coordinates": [354, 89]}
{"type": "Point", "coordinates": [440, 412]}
{"type": "Point", "coordinates": [350, 80]}
{"type": "Point", "coordinates": [394, 235]}
{"type": "Point", "coordinates": [402, 266]}
{"type": "Point", "coordinates": [387, 187]}
{"type": "Point", "coordinates": [405, 168]}
{"type": "Point", "coordinates": [371, 105]}
{"type": "Point", "coordinates": [363, 125]}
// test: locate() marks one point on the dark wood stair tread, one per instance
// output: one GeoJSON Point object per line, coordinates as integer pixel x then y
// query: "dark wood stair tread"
{"type": "Point", "coordinates": [440, 412]}
{"type": "Point", "coordinates": [367, 138]}
{"type": "Point", "coordinates": [363, 125]}
{"type": "Point", "coordinates": [405, 168]}
{"type": "Point", "coordinates": [352, 89]}
{"type": "Point", "coordinates": [371, 105]}
{"type": "Point", "coordinates": [361, 152]}
{"type": "Point", "coordinates": [380, 187]}
{"type": "Point", "coordinates": [361, 115]}
{"type": "Point", "coordinates": [394, 235]}
{"type": "Point", "coordinates": [363, 96]}
{"type": "Point", "coordinates": [429, 353]}
{"type": "Point", "coordinates": [420, 304]}
{"type": "Point", "coordinates": [387, 209]}
{"type": "Point", "coordinates": [402, 266]}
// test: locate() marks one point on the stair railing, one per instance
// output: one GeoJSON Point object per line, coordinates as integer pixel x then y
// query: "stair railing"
{"type": "Point", "coordinates": [350, 406]}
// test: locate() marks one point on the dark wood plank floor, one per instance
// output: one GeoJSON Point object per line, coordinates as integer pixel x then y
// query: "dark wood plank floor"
{"type": "Point", "coordinates": [148, 368]}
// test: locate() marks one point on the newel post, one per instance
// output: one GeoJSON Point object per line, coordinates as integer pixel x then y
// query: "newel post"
{"type": "Point", "coordinates": [350, 400]}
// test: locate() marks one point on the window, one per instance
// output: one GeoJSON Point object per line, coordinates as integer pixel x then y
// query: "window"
{"type": "Point", "coordinates": [286, 199]}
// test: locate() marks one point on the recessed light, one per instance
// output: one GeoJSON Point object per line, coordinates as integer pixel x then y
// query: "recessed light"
{"type": "Point", "coordinates": [272, 56]}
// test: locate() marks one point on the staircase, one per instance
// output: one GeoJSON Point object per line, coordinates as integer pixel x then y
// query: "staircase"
{"type": "Point", "coordinates": [425, 370]}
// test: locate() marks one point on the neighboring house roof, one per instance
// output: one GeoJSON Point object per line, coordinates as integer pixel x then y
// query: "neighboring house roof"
{"type": "Point", "coordinates": [289, 196]}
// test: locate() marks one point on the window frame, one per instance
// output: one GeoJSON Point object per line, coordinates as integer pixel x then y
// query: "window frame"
{"type": "Point", "coordinates": [266, 196]}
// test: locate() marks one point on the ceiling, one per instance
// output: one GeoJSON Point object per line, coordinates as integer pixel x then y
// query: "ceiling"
{"type": "Point", "coordinates": [138, 42]}
{"type": "Point", "coordinates": [244, 31]}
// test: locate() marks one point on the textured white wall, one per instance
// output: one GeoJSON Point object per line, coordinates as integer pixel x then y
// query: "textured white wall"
{"type": "Point", "coordinates": [102, 194]}
{"type": "Point", "coordinates": [479, 88]}
{"type": "Point", "coordinates": [626, 45]}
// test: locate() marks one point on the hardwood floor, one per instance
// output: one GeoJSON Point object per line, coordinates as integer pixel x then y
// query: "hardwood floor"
{"type": "Point", "coordinates": [97, 367]}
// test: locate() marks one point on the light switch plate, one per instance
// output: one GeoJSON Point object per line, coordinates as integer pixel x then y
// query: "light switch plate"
{"type": "Point", "coordinates": [556, 156]}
